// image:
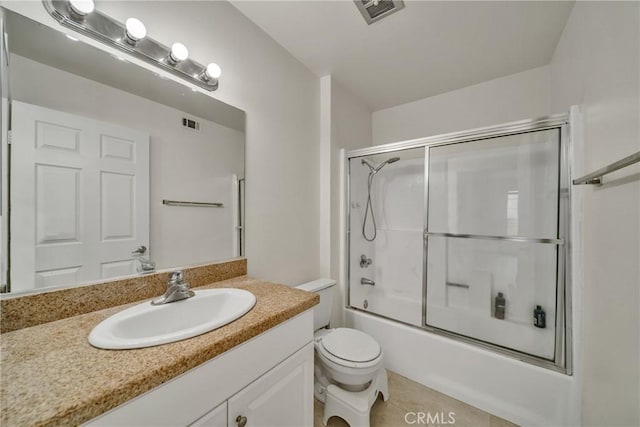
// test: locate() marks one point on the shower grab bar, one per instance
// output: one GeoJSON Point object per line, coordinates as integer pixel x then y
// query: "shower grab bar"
{"type": "Point", "coordinates": [596, 177]}
{"type": "Point", "coordinates": [504, 238]}
{"type": "Point", "coordinates": [193, 204]}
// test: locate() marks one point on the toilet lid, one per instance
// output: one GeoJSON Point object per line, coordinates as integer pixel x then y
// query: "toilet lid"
{"type": "Point", "coordinates": [352, 345]}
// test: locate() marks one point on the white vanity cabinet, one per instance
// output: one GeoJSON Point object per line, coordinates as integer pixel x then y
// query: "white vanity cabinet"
{"type": "Point", "coordinates": [281, 397]}
{"type": "Point", "coordinates": [265, 381]}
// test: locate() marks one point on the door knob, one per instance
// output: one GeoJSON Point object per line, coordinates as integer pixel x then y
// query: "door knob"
{"type": "Point", "coordinates": [241, 420]}
{"type": "Point", "coordinates": [140, 251]}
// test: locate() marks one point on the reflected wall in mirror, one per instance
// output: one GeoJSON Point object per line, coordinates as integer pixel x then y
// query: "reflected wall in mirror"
{"type": "Point", "coordinates": [97, 144]}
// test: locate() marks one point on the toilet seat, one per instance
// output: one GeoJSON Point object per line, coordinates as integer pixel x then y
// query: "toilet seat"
{"type": "Point", "coordinates": [350, 348]}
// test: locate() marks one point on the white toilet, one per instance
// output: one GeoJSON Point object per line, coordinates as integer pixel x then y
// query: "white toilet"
{"type": "Point", "coordinates": [348, 364]}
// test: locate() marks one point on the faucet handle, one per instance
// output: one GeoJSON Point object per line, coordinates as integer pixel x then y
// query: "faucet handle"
{"type": "Point", "coordinates": [176, 277]}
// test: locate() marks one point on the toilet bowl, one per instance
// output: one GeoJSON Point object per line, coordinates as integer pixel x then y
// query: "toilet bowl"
{"type": "Point", "coordinates": [346, 358]}
{"type": "Point", "coordinates": [349, 357]}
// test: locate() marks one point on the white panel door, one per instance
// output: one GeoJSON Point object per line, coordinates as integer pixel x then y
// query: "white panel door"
{"type": "Point", "coordinates": [281, 397]}
{"type": "Point", "coordinates": [79, 198]}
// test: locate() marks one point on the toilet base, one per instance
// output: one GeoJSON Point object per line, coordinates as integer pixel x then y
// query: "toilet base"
{"type": "Point", "coordinates": [355, 407]}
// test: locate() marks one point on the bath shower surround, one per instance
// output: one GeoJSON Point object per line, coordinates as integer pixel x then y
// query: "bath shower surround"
{"type": "Point", "coordinates": [471, 237]}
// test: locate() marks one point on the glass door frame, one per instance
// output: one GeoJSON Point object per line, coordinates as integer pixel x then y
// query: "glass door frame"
{"type": "Point", "coordinates": [563, 356]}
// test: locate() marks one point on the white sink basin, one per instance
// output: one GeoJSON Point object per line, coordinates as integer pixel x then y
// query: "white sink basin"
{"type": "Point", "coordinates": [146, 325]}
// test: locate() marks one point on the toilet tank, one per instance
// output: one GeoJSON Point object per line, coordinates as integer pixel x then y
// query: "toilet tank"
{"type": "Point", "coordinates": [322, 311]}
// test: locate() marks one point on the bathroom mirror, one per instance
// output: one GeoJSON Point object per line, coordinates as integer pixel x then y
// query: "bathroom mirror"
{"type": "Point", "coordinates": [111, 167]}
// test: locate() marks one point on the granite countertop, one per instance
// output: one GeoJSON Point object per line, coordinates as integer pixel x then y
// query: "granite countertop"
{"type": "Point", "coordinates": [51, 375]}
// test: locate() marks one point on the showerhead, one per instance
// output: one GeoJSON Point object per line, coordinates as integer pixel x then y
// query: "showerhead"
{"type": "Point", "coordinates": [385, 163]}
{"type": "Point", "coordinates": [393, 160]}
{"type": "Point", "coordinates": [375, 169]}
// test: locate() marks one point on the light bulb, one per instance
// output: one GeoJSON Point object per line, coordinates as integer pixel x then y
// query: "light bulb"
{"type": "Point", "coordinates": [179, 52]}
{"type": "Point", "coordinates": [212, 71]}
{"type": "Point", "coordinates": [134, 31]}
{"type": "Point", "coordinates": [81, 8]}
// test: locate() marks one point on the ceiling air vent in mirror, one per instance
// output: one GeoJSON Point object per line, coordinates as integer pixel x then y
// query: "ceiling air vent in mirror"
{"type": "Point", "coordinates": [375, 10]}
{"type": "Point", "coordinates": [191, 124]}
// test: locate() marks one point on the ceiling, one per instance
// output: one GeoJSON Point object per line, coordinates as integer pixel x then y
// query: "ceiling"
{"type": "Point", "coordinates": [428, 48]}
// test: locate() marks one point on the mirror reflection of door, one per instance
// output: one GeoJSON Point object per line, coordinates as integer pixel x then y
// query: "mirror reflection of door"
{"type": "Point", "coordinates": [84, 92]}
{"type": "Point", "coordinates": [80, 198]}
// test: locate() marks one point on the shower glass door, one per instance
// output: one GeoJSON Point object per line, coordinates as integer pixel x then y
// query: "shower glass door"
{"type": "Point", "coordinates": [466, 235]}
{"type": "Point", "coordinates": [386, 225]}
{"type": "Point", "coordinates": [493, 238]}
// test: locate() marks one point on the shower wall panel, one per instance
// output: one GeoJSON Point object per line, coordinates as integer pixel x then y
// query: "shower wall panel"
{"type": "Point", "coordinates": [397, 202]}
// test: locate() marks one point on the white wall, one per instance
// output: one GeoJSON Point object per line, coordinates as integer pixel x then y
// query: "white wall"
{"type": "Point", "coordinates": [515, 97]}
{"type": "Point", "coordinates": [596, 65]}
{"type": "Point", "coordinates": [281, 99]}
{"type": "Point", "coordinates": [350, 129]}
{"type": "Point", "coordinates": [184, 165]}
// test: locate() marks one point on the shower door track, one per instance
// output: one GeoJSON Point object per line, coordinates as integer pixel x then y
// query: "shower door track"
{"type": "Point", "coordinates": [563, 355]}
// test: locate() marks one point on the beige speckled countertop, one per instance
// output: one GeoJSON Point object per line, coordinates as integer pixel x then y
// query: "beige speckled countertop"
{"type": "Point", "coordinates": [51, 375]}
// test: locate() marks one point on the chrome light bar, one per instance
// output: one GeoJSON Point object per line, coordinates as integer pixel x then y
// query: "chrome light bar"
{"type": "Point", "coordinates": [107, 30]}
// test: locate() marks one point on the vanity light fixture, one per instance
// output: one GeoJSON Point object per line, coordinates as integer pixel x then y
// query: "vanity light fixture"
{"type": "Point", "coordinates": [79, 9]}
{"type": "Point", "coordinates": [178, 53]}
{"type": "Point", "coordinates": [131, 38]}
{"type": "Point", "coordinates": [134, 31]}
{"type": "Point", "coordinates": [212, 72]}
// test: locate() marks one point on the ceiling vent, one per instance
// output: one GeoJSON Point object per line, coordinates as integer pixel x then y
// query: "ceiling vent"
{"type": "Point", "coordinates": [375, 10]}
{"type": "Point", "coordinates": [190, 124]}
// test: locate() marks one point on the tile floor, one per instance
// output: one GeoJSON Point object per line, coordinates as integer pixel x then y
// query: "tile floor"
{"type": "Point", "coordinates": [406, 396]}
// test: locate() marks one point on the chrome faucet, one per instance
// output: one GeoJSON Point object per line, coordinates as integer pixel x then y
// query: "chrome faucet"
{"type": "Point", "coordinates": [177, 289]}
{"type": "Point", "coordinates": [365, 281]}
{"type": "Point", "coordinates": [145, 265]}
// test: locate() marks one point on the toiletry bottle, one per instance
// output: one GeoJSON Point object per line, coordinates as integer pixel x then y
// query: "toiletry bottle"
{"type": "Point", "coordinates": [501, 304]}
{"type": "Point", "coordinates": [539, 317]}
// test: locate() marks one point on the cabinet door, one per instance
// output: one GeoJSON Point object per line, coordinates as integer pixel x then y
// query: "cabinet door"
{"type": "Point", "coordinates": [281, 397]}
{"type": "Point", "coordinates": [217, 417]}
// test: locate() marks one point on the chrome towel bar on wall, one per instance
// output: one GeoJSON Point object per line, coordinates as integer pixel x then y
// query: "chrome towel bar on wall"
{"type": "Point", "coordinates": [596, 177]}
{"type": "Point", "coordinates": [193, 204]}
